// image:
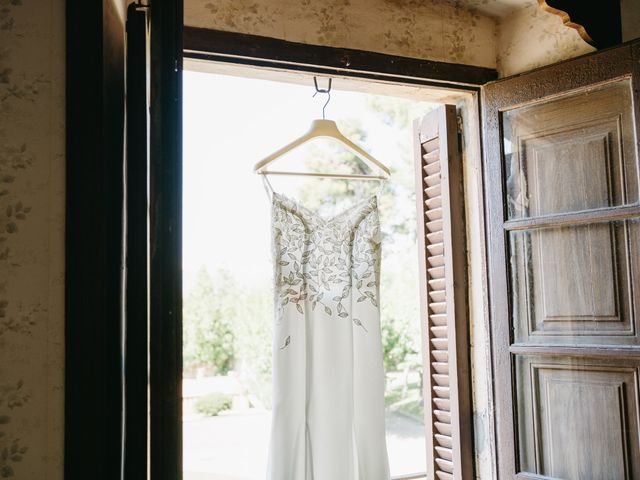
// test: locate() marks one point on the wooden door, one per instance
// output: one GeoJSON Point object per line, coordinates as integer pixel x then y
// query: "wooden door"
{"type": "Point", "coordinates": [563, 213]}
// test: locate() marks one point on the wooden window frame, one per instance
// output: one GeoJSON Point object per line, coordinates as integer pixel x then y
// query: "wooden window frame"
{"type": "Point", "coordinates": [241, 49]}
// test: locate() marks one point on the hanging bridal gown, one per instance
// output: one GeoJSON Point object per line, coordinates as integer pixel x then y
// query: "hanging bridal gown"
{"type": "Point", "coordinates": [328, 376]}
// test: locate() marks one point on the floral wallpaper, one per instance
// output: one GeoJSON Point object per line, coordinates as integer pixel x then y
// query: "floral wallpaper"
{"type": "Point", "coordinates": [436, 29]}
{"type": "Point", "coordinates": [511, 35]}
{"type": "Point", "coordinates": [630, 12]}
{"type": "Point", "coordinates": [31, 238]}
{"type": "Point", "coordinates": [531, 37]}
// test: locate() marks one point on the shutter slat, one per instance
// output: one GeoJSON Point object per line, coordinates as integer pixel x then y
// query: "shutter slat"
{"type": "Point", "coordinates": [442, 404]}
{"type": "Point", "coordinates": [444, 475]}
{"type": "Point", "coordinates": [440, 356]}
{"type": "Point", "coordinates": [433, 191]}
{"type": "Point", "coordinates": [436, 248]}
{"type": "Point", "coordinates": [443, 282]}
{"type": "Point", "coordinates": [441, 379]}
{"type": "Point", "coordinates": [440, 343]}
{"type": "Point", "coordinates": [431, 142]}
{"type": "Point", "coordinates": [441, 367]}
{"type": "Point", "coordinates": [432, 168]}
{"type": "Point", "coordinates": [432, 156]}
{"type": "Point", "coordinates": [435, 226]}
{"type": "Point", "coordinates": [437, 295]}
{"type": "Point", "coordinates": [439, 332]}
{"type": "Point", "coordinates": [443, 428]}
{"type": "Point", "coordinates": [442, 392]}
{"type": "Point", "coordinates": [435, 237]}
{"type": "Point", "coordinates": [443, 440]}
{"type": "Point", "coordinates": [442, 416]}
{"type": "Point", "coordinates": [445, 465]}
{"type": "Point", "coordinates": [436, 273]}
{"type": "Point", "coordinates": [436, 260]}
{"type": "Point", "coordinates": [433, 202]}
{"type": "Point", "coordinates": [445, 453]}
{"type": "Point", "coordinates": [434, 214]}
{"type": "Point", "coordinates": [432, 180]}
{"type": "Point", "coordinates": [438, 319]}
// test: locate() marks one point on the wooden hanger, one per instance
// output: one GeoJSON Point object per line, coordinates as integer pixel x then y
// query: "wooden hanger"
{"type": "Point", "coordinates": [323, 128]}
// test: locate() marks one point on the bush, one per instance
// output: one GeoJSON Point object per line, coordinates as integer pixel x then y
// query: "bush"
{"type": "Point", "coordinates": [210, 310]}
{"type": "Point", "coordinates": [212, 404]}
{"type": "Point", "coordinates": [396, 345]}
{"type": "Point", "coordinates": [253, 331]}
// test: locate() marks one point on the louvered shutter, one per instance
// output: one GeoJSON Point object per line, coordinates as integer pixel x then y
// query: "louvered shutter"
{"type": "Point", "coordinates": [441, 243]}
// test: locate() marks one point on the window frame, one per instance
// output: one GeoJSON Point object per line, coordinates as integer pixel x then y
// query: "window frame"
{"type": "Point", "coordinates": [251, 50]}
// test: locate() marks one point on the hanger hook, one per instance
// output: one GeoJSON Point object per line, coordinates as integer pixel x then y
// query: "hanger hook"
{"type": "Point", "coordinates": [323, 90]}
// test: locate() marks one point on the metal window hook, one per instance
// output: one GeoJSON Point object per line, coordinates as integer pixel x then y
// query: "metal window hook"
{"type": "Point", "coordinates": [323, 90]}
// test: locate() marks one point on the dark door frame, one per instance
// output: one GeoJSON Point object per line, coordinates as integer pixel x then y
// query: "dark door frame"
{"type": "Point", "coordinates": [105, 427]}
{"type": "Point", "coordinates": [95, 122]}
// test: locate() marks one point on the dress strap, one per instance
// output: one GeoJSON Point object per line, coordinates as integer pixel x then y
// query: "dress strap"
{"type": "Point", "coordinates": [267, 186]}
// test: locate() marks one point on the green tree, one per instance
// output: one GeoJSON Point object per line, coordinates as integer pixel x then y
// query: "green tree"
{"type": "Point", "coordinates": [253, 332]}
{"type": "Point", "coordinates": [397, 345]}
{"type": "Point", "coordinates": [210, 310]}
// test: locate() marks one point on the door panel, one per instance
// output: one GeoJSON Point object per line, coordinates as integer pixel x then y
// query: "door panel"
{"type": "Point", "coordinates": [575, 284]}
{"type": "Point", "coordinates": [559, 436]}
{"type": "Point", "coordinates": [571, 153]}
{"type": "Point", "coordinates": [561, 173]}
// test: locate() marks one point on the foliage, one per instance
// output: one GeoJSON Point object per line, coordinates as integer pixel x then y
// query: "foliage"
{"type": "Point", "coordinates": [212, 404]}
{"type": "Point", "coordinates": [253, 342]}
{"type": "Point", "coordinates": [396, 345]}
{"type": "Point", "coordinates": [410, 402]}
{"type": "Point", "coordinates": [209, 315]}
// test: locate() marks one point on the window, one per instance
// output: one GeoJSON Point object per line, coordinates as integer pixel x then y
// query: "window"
{"type": "Point", "coordinates": [230, 123]}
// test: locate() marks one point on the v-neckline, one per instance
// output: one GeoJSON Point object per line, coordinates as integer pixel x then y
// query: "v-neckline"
{"type": "Point", "coordinates": [325, 221]}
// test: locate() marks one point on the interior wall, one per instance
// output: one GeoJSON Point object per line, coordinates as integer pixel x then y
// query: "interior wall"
{"type": "Point", "coordinates": [430, 29]}
{"type": "Point", "coordinates": [512, 36]}
{"type": "Point", "coordinates": [630, 12]}
{"type": "Point", "coordinates": [531, 37]}
{"type": "Point", "coordinates": [32, 172]}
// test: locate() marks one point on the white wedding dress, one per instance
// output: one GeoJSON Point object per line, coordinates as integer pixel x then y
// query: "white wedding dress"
{"type": "Point", "coordinates": [328, 376]}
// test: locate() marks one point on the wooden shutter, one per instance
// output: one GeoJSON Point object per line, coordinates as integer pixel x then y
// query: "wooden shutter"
{"type": "Point", "coordinates": [441, 244]}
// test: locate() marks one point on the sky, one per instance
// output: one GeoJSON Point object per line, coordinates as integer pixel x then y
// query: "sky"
{"type": "Point", "coordinates": [230, 123]}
